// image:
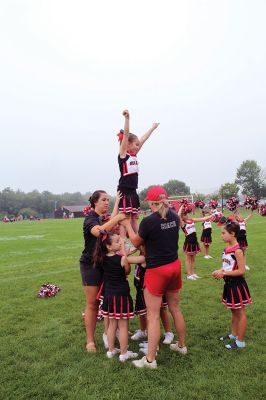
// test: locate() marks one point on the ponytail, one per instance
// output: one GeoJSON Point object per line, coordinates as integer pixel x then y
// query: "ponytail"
{"type": "Point", "coordinates": [100, 250]}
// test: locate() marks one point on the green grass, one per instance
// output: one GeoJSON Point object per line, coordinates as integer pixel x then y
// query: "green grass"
{"type": "Point", "coordinates": [43, 340]}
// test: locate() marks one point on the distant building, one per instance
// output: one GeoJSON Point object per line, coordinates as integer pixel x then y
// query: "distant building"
{"type": "Point", "coordinates": [69, 212]}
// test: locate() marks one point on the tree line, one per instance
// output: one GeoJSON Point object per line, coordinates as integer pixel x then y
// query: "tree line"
{"type": "Point", "coordinates": [250, 181]}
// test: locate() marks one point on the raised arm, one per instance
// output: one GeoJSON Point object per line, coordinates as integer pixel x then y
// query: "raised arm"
{"type": "Point", "coordinates": [124, 143]}
{"type": "Point", "coordinates": [249, 216]}
{"type": "Point", "coordinates": [148, 134]}
{"type": "Point", "coordinates": [117, 199]}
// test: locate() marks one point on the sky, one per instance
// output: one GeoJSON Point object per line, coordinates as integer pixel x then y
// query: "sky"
{"type": "Point", "coordinates": [69, 69]}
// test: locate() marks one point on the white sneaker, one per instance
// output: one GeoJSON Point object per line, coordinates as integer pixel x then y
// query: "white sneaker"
{"type": "Point", "coordinates": [111, 354]}
{"type": "Point", "coordinates": [143, 363]}
{"type": "Point", "coordinates": [105, 341]}
{"type": "Point", "coordinates": [175, 347]}
{"type": "Point", "coordinates": [191, 277]}
{"type": "Point", "coordinates": [206, 257]}
{"type": "Point", "coordinates": [139, 334]}
{"type": "Point", "coordinates": [247, 267]}
{"type": "Point", "coordinates": [127, 356]}
{"type": "Point", "coordinates": [196, 276]}
{"type": "Point", "coordinates": [210, 257]}
{"type": "Point", "coordinates": [168, 338]}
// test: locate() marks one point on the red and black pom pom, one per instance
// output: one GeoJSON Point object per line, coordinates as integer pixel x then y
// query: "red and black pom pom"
{"type": "Point", "coordinates": [251, 203]}
{"type": "Point", "coordinates": [232, 203]}
{"type": "Point", "coordinates": [262, 209]}
{"type": "Point", "coordinates": [199, 204]}
{"type": "Point", "coordinates": [213, 204]}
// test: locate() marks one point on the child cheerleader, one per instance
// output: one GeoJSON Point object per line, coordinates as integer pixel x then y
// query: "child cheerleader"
{"type": "Point", "coordinates": [236, 293]}
{"type": "Point", "coordinates": [117, 303]}
{"type": "Point", "coordinates": [130, 145]}
{"type": "Point", "coordinates": [206, 236]}
{"type": "Point", "coordinates": [191, 245]}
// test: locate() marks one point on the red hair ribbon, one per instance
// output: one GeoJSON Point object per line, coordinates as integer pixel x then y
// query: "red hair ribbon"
{"type": "Point", "coordinates": [104, 237]}
{"type": "Point", "coordinates": [120, 135]}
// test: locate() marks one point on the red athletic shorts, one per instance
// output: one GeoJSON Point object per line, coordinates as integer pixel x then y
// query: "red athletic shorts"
{"type": "Point", "coordinates": [166, 278]}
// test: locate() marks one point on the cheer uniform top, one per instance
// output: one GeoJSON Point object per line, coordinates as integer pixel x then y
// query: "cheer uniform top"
{"type": "Point", "coordinates": [206, 236]}
{"type": "Point", "coordinates": [242, 236]}
{"type": "Point", "coordinates": [236, 292]}
{"type": "Point", "coordinates": [128, 183]}
{"type": "Point", "coordinates": [91, 276]}
{"type": "Point", "coordinates": [117, 302]}
{"type": "Point", "coordinates": [191, 245]}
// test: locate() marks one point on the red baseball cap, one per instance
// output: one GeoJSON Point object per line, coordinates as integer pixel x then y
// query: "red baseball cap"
{"type": "Point", "coordinates": [156, 193]}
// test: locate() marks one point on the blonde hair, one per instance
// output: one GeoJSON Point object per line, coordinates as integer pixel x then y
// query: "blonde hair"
{"type": "Point", "coordinates": [163, 207]}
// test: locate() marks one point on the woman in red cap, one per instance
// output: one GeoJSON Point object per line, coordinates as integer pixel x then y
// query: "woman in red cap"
{"type": "Point", "coordinates": [159, 233]}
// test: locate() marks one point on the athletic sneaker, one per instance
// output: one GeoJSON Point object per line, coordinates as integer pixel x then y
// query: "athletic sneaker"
{"type": "Point", "coordinates": [191, 278]}
{"type": "Point", "coordinates": [139, 334]}
{"type": "Point", "coordinates": [127, 356]}
{"type": "Point", "coordinates": [227, 337]}
{"type": "Point", "coordinates": [207, 257]}
{"type": "Point", "coordinates": [111, 354]}
{"type": "Point", "coordinates": [105, 341]}
{"type": "Point", "coordinates": [143, 363]}
{"type": "Point", "coordinates": [247, 267]}
{"type": "Point", "coordinates": [144, 345]}
{"type": "Point", "coordinates": [168, 338]}
{"type": "Point", "coordinates": [210, 257]}
{"type": "Point", "coordinates": [196, 276]}
{"type": "Point", "coordinates": [181, 350]}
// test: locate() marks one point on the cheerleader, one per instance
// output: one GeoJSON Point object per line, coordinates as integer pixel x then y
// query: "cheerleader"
{"type": "Point", "coordinates": [130, 145]}
{"type": "Point", "coordinates": [191, 245]}
{"type": "Point", "coordinates": [117, 303]}
{"type": "Point", "coordinates": [236, 293]}
{"type": "Point", "coordinates": [206, 236]}
{"type": "Point", "coordinates": [242, 236]}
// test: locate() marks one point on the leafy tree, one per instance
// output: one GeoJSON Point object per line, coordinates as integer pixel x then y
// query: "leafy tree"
{"type": "Point", "coordinates": [229, 190]}
{"type": "Point", "coordinates": [250, 177]}
{"type": "Point", "coordinates": [176, 188]}
{"type": "Point", "coordinates": [198, 196]}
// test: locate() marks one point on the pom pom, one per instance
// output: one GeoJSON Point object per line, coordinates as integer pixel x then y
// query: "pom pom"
{"type": "Point", "coordinates": [232, 203]}
{"type": "Point", "coordinates": [216, 216]}
{"type": "Point", "coordinates": [262, 209]}
{"type": "Point", "coordinates": [86, 210]}
{"type": "Point", "coordinates": [251, 203]}
{"type": "Point", "coordinates": [187, 205]}
{"type": "Point", "coordinates": [48, 290]}
{"type": "Point", "coordinates": [213, 204]}
{"type": "Point", "coordinates": [199, 204]}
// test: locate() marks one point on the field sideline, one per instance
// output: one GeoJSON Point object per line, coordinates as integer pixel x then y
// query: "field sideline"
{"type": "Point", "coordinates": [43, 340]}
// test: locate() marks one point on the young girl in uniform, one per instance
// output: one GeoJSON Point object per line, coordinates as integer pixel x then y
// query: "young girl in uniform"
{"type": "Point", "coordinates": [191, 245]}
{"type": "Point", "coordinates": [206, 236]}
{"type": "Point", "coordinates": [130, 145]}
{"type": "Point", "coordinates": [236, 293]}
{"type": "Point", "coordinates": [117, 303]}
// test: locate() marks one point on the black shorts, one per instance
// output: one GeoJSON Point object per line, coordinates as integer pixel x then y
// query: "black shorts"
{"type": "Point", "coordinates": [90, 276]}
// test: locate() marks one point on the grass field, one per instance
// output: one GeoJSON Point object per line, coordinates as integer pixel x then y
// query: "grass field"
{"type": "Point", "coordinates": [43, 340]}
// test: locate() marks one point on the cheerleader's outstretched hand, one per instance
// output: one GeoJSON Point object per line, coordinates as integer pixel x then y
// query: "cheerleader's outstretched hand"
{"type": "Point", "coordinates": [155, 125]}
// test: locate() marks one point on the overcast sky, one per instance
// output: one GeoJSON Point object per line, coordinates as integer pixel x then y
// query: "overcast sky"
{"type": "Point", "coordinates": [69, 68]}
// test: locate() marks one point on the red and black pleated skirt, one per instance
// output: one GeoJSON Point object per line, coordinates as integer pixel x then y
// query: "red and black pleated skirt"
{"type": "Point", "coordinates": [129, 203]}
{"type": "Point", "coordinates": [236, 293]}
{"type": "Point", "coordinates": [191, 245]}
{"type": "Point", "coordinates": [118, 305]}
{"type": "Point", "coordinates": [206, 236]}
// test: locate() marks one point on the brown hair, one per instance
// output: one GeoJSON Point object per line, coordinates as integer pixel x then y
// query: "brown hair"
{"type": "Point", "coordinates": [95, 197]}
{"type": "Point", "coordinates": [232, 227]}
{"type": "Point", "coordinates": [100, 250]}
